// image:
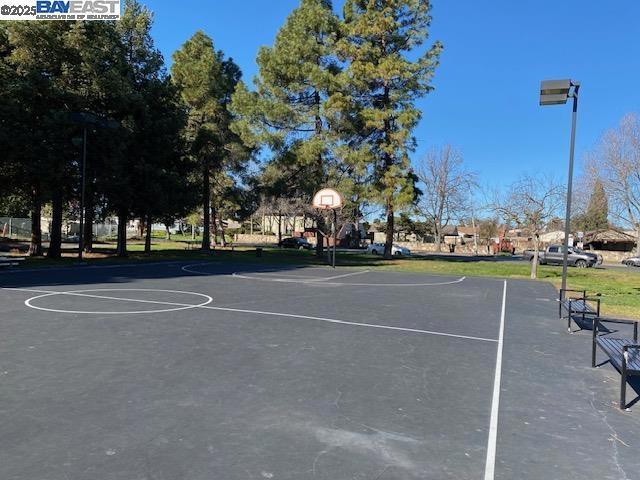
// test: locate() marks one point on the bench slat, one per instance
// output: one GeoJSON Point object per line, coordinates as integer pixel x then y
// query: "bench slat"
{"type": "Point", "coordinates": [578, 306]}
{"type": "Point", "coordinates": [613, 348]}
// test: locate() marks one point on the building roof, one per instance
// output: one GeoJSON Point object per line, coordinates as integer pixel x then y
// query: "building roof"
{"type": "Point", "coordinates": [467, 230]}
{"type": "Point", "coordinates": [554, 236]}
{"type": "Point", "coordinates": [608, 235]}
{"type": "Point", "coordinates": [450, 230]}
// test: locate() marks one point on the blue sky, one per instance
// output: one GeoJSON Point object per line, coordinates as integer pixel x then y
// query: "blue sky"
{"type": "Point", "coordinates": [496, 52]}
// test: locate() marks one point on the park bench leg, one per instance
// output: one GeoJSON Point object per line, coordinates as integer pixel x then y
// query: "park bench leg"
{"type": "Point", "coordinates": [594, 343]}
{"type": "Point", "coordinates": [623, 380]}
{"type": "Point", "coordinates": [560, 300]}
{"type": "Point", "coordinates": [569, 318]}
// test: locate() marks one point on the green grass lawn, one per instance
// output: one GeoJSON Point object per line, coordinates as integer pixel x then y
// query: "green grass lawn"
{"type": "Point", "coordinates": [620, 290]}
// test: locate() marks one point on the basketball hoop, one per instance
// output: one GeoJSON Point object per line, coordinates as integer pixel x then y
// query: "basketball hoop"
{"type": "Point", "coordinates": [327, 199]}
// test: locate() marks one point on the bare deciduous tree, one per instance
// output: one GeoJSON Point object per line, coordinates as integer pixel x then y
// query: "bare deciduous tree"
{"type": "Point", "coordinates": [617, 161]}
{"type": "Point", "coordinates": [530, 203]}
{"type": "Point", "coordinates": [283, 212]}
{"type": "Point", "coordinates": [488, 229]}
{"type": "Point", "coordinates": [447, 187]}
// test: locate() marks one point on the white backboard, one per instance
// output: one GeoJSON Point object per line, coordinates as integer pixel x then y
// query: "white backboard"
{"type": "Point", "coordinates": [327, 199]}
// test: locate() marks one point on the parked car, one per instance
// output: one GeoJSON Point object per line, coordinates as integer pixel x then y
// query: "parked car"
{"type": "Point", "coordinates": [295, 242]}
{"type": "Point", "coordinates": [576, 257]}
{"type": "Point", "coordinates": [632, 261]}
{"type": "Point", "coordinates": [76, 238]}
{"type": "Point", "coordinates": [378, 249]}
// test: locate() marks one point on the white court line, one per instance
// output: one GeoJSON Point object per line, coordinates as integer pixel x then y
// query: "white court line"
{"type": "Point", "coordinates": [263, 278]}
{"type": "Point", "coordinates": [290, 275]}
{"type": "Point", "coordinates": [294, 278]}
{"type": "Point", "coordinates": [259, 312]}
{"type": "Point", "coordinates": [80, 268]}
{"type": "Point", "coordinates": [187, 268]}
{"type": "Point", "coordinates": [288, 280]}
{"type": "Point", "coordinates": [321, 279]}
{"type": "Point", "coordinates": [490, 466]}
{"type": "Point", "coordinates": [82, 293]}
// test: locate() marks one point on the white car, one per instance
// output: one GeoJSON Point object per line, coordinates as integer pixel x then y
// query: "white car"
{"type": "Point", "coordinates": [378, 249]}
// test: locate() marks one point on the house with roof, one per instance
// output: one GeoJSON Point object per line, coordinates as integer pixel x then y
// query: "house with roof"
{"type": "Point", "coordinates": [609, 239]}
{"type": "Point", "coordinates": [468, 234]}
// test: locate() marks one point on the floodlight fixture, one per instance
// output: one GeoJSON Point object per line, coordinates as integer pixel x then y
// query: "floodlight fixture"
{"type": "Point", "coordinates": [557, 92]}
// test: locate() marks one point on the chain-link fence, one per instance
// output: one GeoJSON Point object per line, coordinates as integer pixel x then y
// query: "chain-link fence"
{"type": "Point", "coordinates": [18, 228]}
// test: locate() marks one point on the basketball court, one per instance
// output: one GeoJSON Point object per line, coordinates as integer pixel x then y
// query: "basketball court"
{"type": "Point", "coordinates": [210, 370]}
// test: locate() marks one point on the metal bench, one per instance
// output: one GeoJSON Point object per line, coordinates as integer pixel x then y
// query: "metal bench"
{"type": "Point", "coordinates": [582, 307]}
{"type": "Point", "coordinates": [10, 261]}
{"type": "Point", "coordinates": [192, 244]}
{"type": "Point", "coordinates": [623, 353]}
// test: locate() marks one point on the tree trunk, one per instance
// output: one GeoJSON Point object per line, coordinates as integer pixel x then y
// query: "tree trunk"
{"type": "Point", "coordinates": [388, 246]}
{"type": "Point", "coordinates": [321, 225]}
{"type": "Point", "coordinates": [534, 260]}
{"type": "Point", "coordinates": [55, 230]}
{"type": "Point", "coordinates": [89, 212]}
{"type": "Point", "coordinates": [438, 239]}
{"type": "Point", "coordinates": [214, 225]}
{"type": "Point", "coordinates": [121, 249]}
{"type": "Point", "coordinates": [147, 238]}
{"type": "Point", "coordinates": [388, 163]}
{"type": "Point", "coordinates": [168, 232]}
{"type": "Point", "coordinates": [193, 232]}
{"type": "Point", "coordinates": [475, 237]}
{"type": "Point", "coordinates": [320, 238]}
{"type": "Point", "coordinates": [206, 204]}
{"type": "Point", "coordinates": [35, 248]}
{"type": "Point", "coordinates": [223, 241]}
{"type": "Point", "coordinates": [279, 227]}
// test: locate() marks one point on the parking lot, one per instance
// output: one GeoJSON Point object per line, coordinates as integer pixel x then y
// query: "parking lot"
{"type": "Point", "coordinates": [206, 370]}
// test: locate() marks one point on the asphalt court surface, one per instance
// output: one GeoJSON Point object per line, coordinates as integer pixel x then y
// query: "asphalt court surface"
{"type": "Point", "coordinates": [213, 370]}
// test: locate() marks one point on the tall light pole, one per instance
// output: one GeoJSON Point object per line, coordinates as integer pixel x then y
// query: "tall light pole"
{"type": "Point", "coordinates": [86, 119]}
{"type": "Point", "coordinates": [557, 92]}
{"type": "Point", "coordinates": [83, 179]}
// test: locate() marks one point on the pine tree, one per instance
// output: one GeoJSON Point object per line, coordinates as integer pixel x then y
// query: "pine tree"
{"type": "Point", "coordinates": [290, 111]}
{"type": "Point", "coordinates": [385, 82]}
{"type": "Point", "coordinates": [49, 70]}
{"type": "Point", "coordinates": [596, 216]}
{"type": "Point", "coordinates": [206, 80]}
{"type": "Point", "coordinates": [14, 200]}
{"type": "Point", "coordinates": [104, 88]}
{"type": "Point", "coordinates": [43, 65]}
{"type": "Point", "coordinates": [163, 176]}
{"type": "Point", "coordinates": [144, 74]}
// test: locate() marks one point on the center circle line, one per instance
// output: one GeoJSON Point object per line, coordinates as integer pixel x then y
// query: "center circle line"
{"type": "Point", "coordinates": [347, 284]}
{"type": "Point", "coordinates": [82, 293]}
